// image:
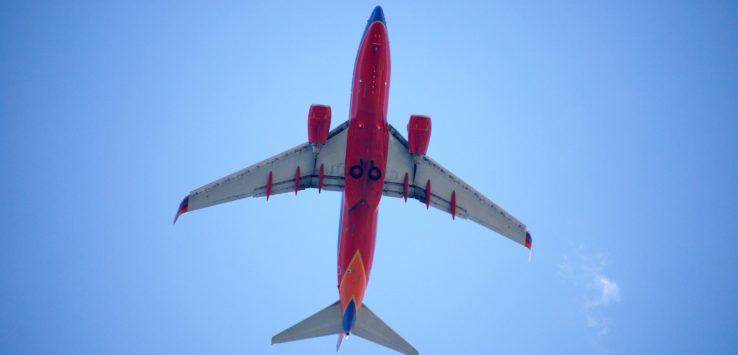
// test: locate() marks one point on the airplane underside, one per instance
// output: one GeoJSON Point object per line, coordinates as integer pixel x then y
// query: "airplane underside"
{"type": "Point", "coordinates": [365, 159]}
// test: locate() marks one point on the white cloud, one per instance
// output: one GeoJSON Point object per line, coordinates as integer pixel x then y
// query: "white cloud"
{"type": "Point", "coordinates": [586, 270]}
{"type": "Point", "coordinates": [609, 291]}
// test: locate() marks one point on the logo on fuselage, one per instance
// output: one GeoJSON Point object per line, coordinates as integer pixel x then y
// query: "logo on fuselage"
{"type": "Point", "coordinates": [357, 171]}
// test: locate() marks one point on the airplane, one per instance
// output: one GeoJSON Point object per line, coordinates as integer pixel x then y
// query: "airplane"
{"type": "Point", "coordinates": [365, 158]}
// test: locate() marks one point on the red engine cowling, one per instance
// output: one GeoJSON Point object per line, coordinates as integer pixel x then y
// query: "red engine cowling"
{"type": "Point", "coordinates": [319, 123]}
{"type": "Point", "coordinates": [418, 133]}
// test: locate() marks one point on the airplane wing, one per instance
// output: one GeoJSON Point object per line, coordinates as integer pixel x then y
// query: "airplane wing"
{"type": "Point", "coordinates": [422, 178]}
{"type": "Point", "coordinates": [296, 169]}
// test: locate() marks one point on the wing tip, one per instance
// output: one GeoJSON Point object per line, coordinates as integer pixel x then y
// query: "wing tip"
{"type": "Point", "coordinates": [183, 207]}
{"type": "Point", "coordinates": [528, 241]}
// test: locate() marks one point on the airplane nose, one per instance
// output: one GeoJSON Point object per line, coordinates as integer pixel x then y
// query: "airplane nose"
{"type": "Point", "coordinates": [377, 15]}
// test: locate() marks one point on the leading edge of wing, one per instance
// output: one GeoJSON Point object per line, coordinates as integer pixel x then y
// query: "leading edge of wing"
{"type": "Point", "coordinates": [298, 168]}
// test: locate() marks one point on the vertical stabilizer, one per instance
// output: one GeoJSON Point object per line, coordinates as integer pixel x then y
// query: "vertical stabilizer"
{"type": "Point", "coordinates": [341, 337]}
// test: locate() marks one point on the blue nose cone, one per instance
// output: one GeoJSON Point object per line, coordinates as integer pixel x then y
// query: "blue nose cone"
{"type": "Point", "coordinates": [349, 317]}
{"type": "Point", "coordinates": [377, 15]}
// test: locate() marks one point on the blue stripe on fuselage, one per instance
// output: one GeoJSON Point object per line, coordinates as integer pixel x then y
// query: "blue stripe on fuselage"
{"type": "Point", "coordinates": [340, 223]}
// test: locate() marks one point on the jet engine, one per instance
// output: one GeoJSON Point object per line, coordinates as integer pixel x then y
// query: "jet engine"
{"type": "Point", "coordinates": [319, 123]}
{"type": "Point", "coordinates": [418, 134]}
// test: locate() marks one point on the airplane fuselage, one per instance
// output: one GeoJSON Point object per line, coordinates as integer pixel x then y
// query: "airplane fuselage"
{"type": "Point", "coordinates": [366, 161]}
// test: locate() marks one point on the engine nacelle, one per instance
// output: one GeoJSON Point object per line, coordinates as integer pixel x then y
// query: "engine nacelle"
{"type": "Point", "coordinates": [418, 134]}
{"type": "Point", "coordinates": [319, 123]}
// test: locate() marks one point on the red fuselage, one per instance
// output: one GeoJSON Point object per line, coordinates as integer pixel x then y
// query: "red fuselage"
{"type": "Point", "coordinates": [366, 160]}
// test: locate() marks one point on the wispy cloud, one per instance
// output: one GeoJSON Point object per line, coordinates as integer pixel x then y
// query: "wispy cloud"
{"type": "Point", "coordinates": [609, 291]}
{"type": "Point", "coordinates": [586, 270]}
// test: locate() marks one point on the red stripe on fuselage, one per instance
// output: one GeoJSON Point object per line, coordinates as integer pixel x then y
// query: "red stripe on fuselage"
{"type": "Point", "coordinates": [366, 159]}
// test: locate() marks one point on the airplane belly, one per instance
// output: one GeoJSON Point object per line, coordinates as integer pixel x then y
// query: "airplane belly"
{"type": "Point", "coordinates": [366, 161]}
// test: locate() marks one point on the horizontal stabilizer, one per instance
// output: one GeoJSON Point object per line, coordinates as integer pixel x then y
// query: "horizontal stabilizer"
{"type": "Point", "coordinates": [370, 327]}
{"type": "Point", "coordinates": [329, 322]}
{"type": "Point", "coordinates": [325, 322]}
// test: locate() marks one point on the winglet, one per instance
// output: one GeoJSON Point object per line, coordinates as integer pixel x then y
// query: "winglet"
{"type": "Point", "coordinates": [528, 241]}
{"type": "Point", "coordinates": [182, 208]}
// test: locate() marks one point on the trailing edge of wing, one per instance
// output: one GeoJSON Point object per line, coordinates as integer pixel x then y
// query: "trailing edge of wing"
{"type": "Point", "coordinates": [432, 184]}
{"type": "Point", "coordinates": [293, 170]}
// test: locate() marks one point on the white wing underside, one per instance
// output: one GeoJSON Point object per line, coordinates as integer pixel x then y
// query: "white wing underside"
{"type": "Point", "coordinates": [254, 180]}
{"type": "Point", "coordinates": [304, 161]}
{"type": "Point", "coordinates": [470, 204]}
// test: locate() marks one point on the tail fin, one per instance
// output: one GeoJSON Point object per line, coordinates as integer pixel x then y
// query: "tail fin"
{"type": "Point", "coordinates": [328, 322]}
{"type": "Point", "coordinates": [341, 337]}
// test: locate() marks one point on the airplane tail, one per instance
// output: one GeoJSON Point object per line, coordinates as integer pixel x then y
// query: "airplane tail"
{"type": "Point", "coordinates": [328, 322]}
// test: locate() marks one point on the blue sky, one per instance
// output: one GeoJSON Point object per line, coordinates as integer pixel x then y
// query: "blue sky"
{"type": "Point", "coordinates": [609, 128]}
